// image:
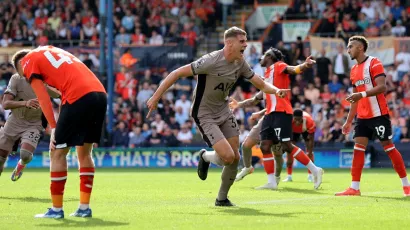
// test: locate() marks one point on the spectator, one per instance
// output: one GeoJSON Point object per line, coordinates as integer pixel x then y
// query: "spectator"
{"type": "Point", "coordinates": [341, 64]}
{"type": "Point", "coordinates": [169, 138]}
{"type": "Point", "coordinates": [323, 67]}
{"type": "Point", "coordinates": [402, 62]}
{"type": "Point", "coordinates": [120, 136]}
{"type": "Point", "coordinates": [312, 93]}
{"type": "Point", "coordinates": [189, 35]}
{"type": "Point", "coordinates": [398, 30]}
{"type": "Point", "coordinates": [144, 95]}
{"type": "Point", "coordinates": [368, 10]}
{"type": "Point", "coordinates": [54, 21]}
{"type": "Point", "coordinates": [136, 139]}
{"type": "Point", "coordinates": [335, 85]}
{"type": "Point", "coordinates": [122, 38]}
{"type": "Point", "coordinates": [156, 39]}
{"type": "Point", "coordinates": [5, 41]}
{"type": "Point", "coordinates": [128, 21]}
{"type": "Point", "coordinates": [155, 139]}
{"type": "Point", "coordinates": [180, 116]}
{"type": "Point", "coordinates": [396, 10]}
{"type": "Point", "coordinates": [138, 38]}
{"type": "Point", "coordinates": [185, 135]}
{"type": "Point", "coordinates": [158, 123]}
{"type": "Point", "coordinates": [184, 104]}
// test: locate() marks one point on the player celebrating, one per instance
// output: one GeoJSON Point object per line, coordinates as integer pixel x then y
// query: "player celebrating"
{"type": "Point", "coordinates": [369, 103]}
{"type": "Point", "coordinates": [217, 73]}
{"type": "Point", "coordinates": [277, 123]}
{"type": "Point", "coordinates": [24, 123]}
{"type": "Point", "coordinates": [302, 125]}
{"type": "Point", "coordinates": [82, 113]}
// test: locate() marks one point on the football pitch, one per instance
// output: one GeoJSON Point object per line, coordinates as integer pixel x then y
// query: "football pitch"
{"type": "Point", "coordinates": [177, 199]}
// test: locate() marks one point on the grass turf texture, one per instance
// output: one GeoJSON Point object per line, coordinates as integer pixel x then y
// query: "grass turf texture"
{"type": "Point", "coordinates": [177, 199]}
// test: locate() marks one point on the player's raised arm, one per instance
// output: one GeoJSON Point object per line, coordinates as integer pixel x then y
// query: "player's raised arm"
{"type": "Point", "coordinates": [302, 67]}
{"type": "Point", "coordinates": [266, 87]}
{"type": "Point", "coordinates": [257, 115]}
{"type": "Point", "coordinates": [184, 71]}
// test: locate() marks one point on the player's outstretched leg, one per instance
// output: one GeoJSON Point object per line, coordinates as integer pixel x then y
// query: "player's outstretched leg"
{"type": "Point", "coordinates": [26, 155]}
{"type": "Point", "coordinates": [58, 174]}
{"type": "Point", "coordinates": [247, 158]}
{"type": "Point", "coordinates": [356, 171]}
{"type": "Point", "coordinates": [87, 170]}
{"type": "Point", "coordinates": [398, 165]}
{"type": "Point", "coordinates": [289, 167]}
{"type": "Point", "coordinates": [300, 156]}
{"type": "Point", "coordinates": [269, 165]}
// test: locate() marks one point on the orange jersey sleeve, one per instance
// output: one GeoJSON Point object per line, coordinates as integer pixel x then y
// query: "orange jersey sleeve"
{"type": "Point", "coordinates": [62, 70]}
{"type": "Point", "coordinates": [376, 68]}
{"type": "Point", "coordinates": [44, 99]}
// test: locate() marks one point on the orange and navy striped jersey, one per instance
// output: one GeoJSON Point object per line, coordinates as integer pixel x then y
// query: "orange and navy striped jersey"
{"type": "Point", "coordinates": [275, 74]}
{"type": "Point", "coordinates": [363, 77]}
{"type": "Point", "coordinates": [308, 124]}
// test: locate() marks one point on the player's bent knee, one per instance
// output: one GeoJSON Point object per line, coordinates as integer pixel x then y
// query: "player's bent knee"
{"type": "Point", "coordinates": [237, 158]}
{"type": "Point", "coordinates": [26, 156]}
{"type": "Point", "coordinates": [229, 159]}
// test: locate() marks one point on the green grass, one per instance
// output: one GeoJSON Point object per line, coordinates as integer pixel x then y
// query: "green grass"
{"type": "Point", "coordinates": [177, 199]}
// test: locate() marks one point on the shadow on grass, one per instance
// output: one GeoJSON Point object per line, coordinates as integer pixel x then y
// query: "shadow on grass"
{"type": "Point", "coordinates": [241, 211]}
{"type": "Point", "coordinates": [88, 222]}
{"type": "Point", "coordinates": [238, 211]}
{"type": "Point", "coordinates": [387, 198]}
{"type": "Point", "coordinates": [298, 190]}
{"type": "Point", "coordinates": [33, 199]}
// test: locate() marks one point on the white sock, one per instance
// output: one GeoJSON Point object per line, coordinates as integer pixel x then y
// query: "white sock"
{"type": "Point", "coordinates": [271, 178]}
{"type": "Point", "coordinates": [289, 175]}
{"type": "Point", "coordinates": [56, 209]}
{"type": "Point", "coordinates": [312, 167]}
{"type": "Point", "coordinates": [84, 206]}
{"type": "Point", "coordinates": [355, 185]}
{"type": "Point", "coordinates": [212, 157]}
{"type": "Point", "coordinates": [405, 181]}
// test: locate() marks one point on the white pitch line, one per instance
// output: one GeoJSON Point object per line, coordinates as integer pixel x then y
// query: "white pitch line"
{"type": "Point", "coordinates": [313, 198]}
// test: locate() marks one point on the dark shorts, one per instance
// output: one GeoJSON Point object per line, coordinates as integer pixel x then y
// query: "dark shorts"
{"type": "Point", "coordinates": [82, 121]}
{"type": "Point", "coordinates": [296, 136]}
{"type": "Point", "coordinates": [379, 127]}
{"type": "Point", "coordinates": [277, 126]}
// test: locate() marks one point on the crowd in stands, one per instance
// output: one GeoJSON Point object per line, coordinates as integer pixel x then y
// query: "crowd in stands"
{"type": "Point", "coordinates": [342, 18]}
{"type": "Point", "coordinates": [320, 91]}
{"type": "Point", "coordinates": [136, 22]}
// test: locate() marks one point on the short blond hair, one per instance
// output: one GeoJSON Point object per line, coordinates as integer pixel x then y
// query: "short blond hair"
{"type": "Point", "coordinates": [362, 40]}
{"type": "Point", "coordinates": [233, 32]}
